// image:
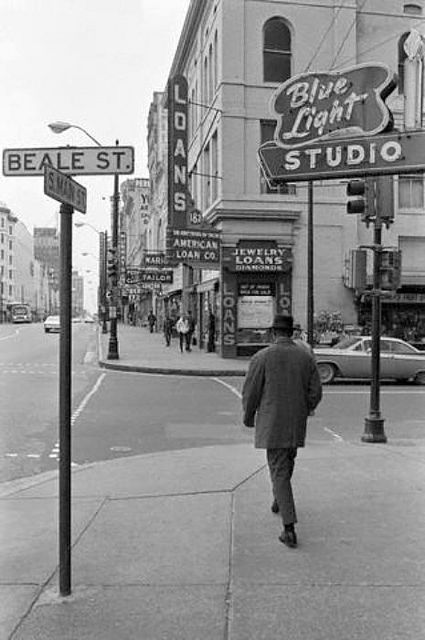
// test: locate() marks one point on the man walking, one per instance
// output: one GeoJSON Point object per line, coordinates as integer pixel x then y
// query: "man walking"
{"type": "Point", "coordinates": [282, 387]}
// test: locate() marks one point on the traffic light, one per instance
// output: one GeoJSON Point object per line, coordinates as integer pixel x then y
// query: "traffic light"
{"type": "Point", "coordinates": [362, 194]}
{"type": "Point", "coordinates": [390, 269]}
{"type": "Point", "coordinates": [112, 263]}
{"type": "Point", "coordinates": [385, 199]}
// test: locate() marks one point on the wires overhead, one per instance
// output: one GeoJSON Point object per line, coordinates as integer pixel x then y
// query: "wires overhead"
{"type": "Point", "coordinates": [319, 46]}
{"type": "Point", "coordinates": [350, 28]}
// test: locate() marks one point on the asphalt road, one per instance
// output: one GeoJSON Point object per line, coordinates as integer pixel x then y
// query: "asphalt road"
{"type": "Point", "coordinates": [30, 396]}
{"type": "Point", "coordinates": [116, 414]}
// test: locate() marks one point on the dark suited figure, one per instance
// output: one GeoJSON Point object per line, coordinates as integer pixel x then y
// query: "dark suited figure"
{"type": "Point", "coordinates": [189, 334]}
{"type": "Point", "coordinates": [281, 389]}
{"type": "Point", "coordinates": [151, 321]}
{"type": "Point", "coordinates": [211, 333]}
{"type": "Point", "coordinates": [168, 329]}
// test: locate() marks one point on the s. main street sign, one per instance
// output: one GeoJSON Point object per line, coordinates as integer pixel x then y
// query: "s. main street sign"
{"type": "Point", "coordinates": [64, 189]}
{"type": "Point", "coordinates": [384, 154]}
{"type": "Point", "coordinates": [69, 160]}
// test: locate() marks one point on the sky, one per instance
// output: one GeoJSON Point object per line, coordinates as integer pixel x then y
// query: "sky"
{"type": "Point", "coordinates": [92, 63]}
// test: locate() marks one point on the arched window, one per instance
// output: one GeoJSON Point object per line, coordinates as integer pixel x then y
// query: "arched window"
{"type": "Point", "coordinates": [402, 55]}
{"type": "Point", "coordinates": [412, 9]}
{"type": "Point", "coordinates": [276, 51]}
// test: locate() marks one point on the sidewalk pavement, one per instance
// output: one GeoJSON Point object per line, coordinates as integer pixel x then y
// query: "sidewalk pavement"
{"type": "Point", "coordinates": [140, 350]}
{"type": "Point", "coordinates": [182, 545]}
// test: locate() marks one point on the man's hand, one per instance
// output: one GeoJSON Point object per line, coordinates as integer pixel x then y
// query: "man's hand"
{"type": "Point", "coordinates": [248, 422]}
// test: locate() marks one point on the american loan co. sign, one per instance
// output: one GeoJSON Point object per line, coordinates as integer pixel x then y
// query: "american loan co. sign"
{"type": "Point", "coordinates": [327, 125]}
{"type": "Point", "coordinates": [194, 247]}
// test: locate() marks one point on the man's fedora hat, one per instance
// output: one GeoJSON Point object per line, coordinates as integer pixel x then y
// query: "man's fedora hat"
{"type": "Point", "coordinates": [283, 322]}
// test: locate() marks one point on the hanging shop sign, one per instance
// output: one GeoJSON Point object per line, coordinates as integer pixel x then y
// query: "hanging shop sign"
{"type": "Point", "coordinates": [386, 154]}
{"type": "Point", "coordinates": [122, 250]}
{"type": "Point", "coordinates": [194, 247]}
{"type": "Point", "coordinates": [327, 126]}
{"type": "Point", "coordinates": [139, 276]}
{"type": "Point", "coordinates": [177, 152]}
{"type": "Point", "coordinates": [318, 106]}
{"type": "Point", "coordinates": [154, 259]}
{"type": "Point", "coordinates": [257, 256]}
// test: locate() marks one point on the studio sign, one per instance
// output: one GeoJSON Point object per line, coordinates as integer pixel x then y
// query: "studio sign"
{"type": "Point", "coordinates": [313, 106]}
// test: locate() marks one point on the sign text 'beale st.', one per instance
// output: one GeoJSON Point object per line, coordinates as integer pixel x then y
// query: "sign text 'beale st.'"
{"type": "Point", "coordinates": [69, 160]}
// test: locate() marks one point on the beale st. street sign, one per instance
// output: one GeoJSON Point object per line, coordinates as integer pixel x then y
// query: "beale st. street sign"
{"type": "Point", "coordinates": [69, 160]}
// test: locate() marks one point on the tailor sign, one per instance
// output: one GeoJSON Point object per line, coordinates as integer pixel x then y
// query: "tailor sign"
{"type": "Point", "coordinates": [148, 276]}
{"type": "Point", "coordinates": [64, 189]}
{"type": "Point", "coordinates": [69, 160]}
{"type": "Point", "coordinates": [327, 126]}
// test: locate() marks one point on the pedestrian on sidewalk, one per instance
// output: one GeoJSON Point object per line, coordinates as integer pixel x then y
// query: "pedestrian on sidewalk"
{"type": "Point", "coordinates": [151, 320]}
{"type": "Point", "coordinates": [211, 333]}
{"type": "Point", "coordinates": [189, 335]}
{"type": "Point", "coordinates": [168, 329]}
{"type": "Point", "coordinates": [182, 327]}
{"type": "Point", "coordinates": [282, 387]}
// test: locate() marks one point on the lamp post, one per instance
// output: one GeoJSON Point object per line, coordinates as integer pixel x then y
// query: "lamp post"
{"type": "Point", "coordinates": [60, 127]}
{"type": "Point", "coordinates": [102, 299]}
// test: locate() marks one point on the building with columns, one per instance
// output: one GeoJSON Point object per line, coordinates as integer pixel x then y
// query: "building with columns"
{"type": "Point", "coordinates": [234, 54]}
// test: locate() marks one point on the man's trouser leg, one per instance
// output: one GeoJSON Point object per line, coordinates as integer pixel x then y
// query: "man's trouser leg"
{"type": "Point", "coordinates": [281, 465]}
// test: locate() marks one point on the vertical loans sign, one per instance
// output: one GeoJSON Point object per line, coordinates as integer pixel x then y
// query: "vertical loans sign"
{"type": "Point", "coordinates": [177, 152]}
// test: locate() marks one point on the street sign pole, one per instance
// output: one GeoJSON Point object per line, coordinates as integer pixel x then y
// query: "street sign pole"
{"type": "Point", "coordinates": [65, 349]}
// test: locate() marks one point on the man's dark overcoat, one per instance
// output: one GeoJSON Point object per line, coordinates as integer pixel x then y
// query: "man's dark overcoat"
{"type": "Point", "coordinates": [282, 387]}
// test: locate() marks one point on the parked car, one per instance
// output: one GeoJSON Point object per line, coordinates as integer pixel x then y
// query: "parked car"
{"type": "Point", "coordinates": [52, 324]}
{"type": "Point", "coordinates": [352, 358]}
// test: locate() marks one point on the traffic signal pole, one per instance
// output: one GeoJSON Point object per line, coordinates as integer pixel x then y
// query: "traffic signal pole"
{"type": "Point", "coordinates": [374, 422]}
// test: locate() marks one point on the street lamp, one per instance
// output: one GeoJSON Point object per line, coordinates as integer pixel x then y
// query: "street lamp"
{"type": "Point", "coordinates": [60, 127]}
{"type": "Point", "coordinates": [87, 224]}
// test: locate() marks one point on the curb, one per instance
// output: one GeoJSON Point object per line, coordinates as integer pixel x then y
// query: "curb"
{"type": "Point", "coordinates": [170, 371]}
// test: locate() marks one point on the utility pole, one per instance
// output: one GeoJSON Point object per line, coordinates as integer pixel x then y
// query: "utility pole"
{"type": "Point", "coordinates": [113, 338]}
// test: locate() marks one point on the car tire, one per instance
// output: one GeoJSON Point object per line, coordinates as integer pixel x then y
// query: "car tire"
{"type": "Point", "coordinates": [327, 372]}
{"type": "Point", "coordinates": [420, 377]}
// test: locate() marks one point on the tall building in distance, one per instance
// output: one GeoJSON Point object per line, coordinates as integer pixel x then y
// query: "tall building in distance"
{"type": "Point", "coordinates": [46, 251]}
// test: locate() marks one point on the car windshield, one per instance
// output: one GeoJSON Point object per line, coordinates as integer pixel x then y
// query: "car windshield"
{"type": "Point", "coordinates": [344, 343]}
